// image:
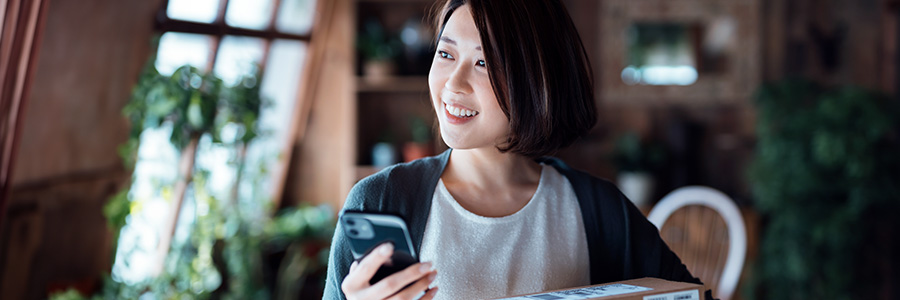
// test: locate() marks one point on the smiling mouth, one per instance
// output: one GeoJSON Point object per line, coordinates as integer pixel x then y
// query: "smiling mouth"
{"type": "Point", "coordinates": [459, 112]}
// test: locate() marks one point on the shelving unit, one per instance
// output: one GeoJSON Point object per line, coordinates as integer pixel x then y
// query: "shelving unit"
{"type": "Point", "coordinates": [398, 84]}
{"type": "Point", "coordinates": [386, 105]}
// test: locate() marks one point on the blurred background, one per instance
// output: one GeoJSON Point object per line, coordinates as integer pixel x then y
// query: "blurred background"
{"type": "Point", "coordinates": [202, 148]}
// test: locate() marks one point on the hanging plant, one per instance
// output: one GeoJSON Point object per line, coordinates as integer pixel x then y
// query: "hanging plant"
{"type": "Point", "coordinates": [224, 256]}
{"type": "Point", "coordinates": [188, 99]}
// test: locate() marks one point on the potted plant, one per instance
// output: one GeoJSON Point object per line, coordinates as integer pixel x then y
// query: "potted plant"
{"type": "Point", "coordinates": [378, 50]}
{"type": "Point", "coordinates": [636, 160]}
{"type": "Point", "coordinates": [421, 144]}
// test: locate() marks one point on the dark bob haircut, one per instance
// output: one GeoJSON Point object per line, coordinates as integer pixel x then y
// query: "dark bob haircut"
{"type": "Point", "coordinates": [538, 69]}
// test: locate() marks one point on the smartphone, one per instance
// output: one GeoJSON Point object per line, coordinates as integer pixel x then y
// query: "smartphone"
{"type": "Point", "coordinates": [368, 230]}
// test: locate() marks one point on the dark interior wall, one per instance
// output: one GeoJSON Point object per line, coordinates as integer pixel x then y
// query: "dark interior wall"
{"type": "Point", "coordinates": [67, 165]}
{"type": "Point", "coordinates": [795, 38]}
{"type": "Point", "coordinates": [833, 41]}
{"type": "Point", "coordinates": [726, 142]}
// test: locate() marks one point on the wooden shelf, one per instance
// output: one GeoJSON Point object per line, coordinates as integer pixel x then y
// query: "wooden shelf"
{"type": "Point", "coordinates": [399, 84]}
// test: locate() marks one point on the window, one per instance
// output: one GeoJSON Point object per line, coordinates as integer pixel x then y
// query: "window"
{"type": "Point", "coordinates": [229, 38]}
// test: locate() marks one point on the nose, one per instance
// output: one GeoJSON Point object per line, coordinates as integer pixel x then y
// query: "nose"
{"type": "Point", "coordinates": [458, 82]}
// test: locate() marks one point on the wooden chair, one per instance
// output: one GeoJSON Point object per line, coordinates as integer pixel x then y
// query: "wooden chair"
{"type": "Point", "coordinates": [705, 228]}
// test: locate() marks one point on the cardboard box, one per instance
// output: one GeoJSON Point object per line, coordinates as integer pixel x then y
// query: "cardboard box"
{"type": "Point", "coordinates": [635, 289]}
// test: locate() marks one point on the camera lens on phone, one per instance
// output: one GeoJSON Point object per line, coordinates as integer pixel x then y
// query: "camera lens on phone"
{"type": "Point", "coordinates": [354, 232]}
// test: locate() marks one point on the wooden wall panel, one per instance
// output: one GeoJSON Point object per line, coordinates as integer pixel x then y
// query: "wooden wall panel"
{"type": "Point", "coordinates": [91, 55]}
{"type": "Point", "coordinates": [321, 169]}
{"type": "Point", "coordinates": [67, 165]}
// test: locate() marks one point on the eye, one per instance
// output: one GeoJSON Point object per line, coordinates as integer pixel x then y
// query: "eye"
{"type": "Point", "coordinates": [481, 63]}
{"type": "Point", "coordinates": [445, 55]}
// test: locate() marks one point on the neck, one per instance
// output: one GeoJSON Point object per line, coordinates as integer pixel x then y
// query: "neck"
{"type": "Point", "coordinates": [491, 169]}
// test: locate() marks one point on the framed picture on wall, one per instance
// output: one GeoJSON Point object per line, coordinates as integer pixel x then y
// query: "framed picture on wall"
{"type": "Point", "coordinates": [679, 51]}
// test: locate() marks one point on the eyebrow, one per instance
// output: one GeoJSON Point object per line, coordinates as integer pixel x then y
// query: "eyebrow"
{"type": "Point", "coordinates": [452, 42]}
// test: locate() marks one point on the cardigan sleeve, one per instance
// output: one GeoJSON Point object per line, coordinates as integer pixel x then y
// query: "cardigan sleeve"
{"type": "Point", "coordinates": [340, 257]}
{"type": "Point", "coordinates": [339, 261]}
{"type": "Point", "coordinates": [403, 189]}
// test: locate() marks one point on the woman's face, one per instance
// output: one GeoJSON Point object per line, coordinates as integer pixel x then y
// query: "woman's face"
{"type": "Point", "coordinates": [461, 92]}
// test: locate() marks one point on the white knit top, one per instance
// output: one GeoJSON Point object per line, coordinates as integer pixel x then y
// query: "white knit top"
{"type": "Point", "coordinates": [541, 247]}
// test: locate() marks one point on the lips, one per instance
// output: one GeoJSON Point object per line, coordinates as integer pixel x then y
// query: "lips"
{"type": "Point", "coordinates": [457, 114]}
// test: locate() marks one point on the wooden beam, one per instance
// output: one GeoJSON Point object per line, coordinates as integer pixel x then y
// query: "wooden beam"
{"type": "Point", "coordinates": [224, 29]}
{"type": "Point", "coordinates": [20, 37]}
{"type": "Point", "coordinates": [303, 105]}
{"type": "Point", "coordinates": [185, 176]}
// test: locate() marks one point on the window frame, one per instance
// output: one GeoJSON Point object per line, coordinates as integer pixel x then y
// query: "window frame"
{"type": "Point", "coordinates": [218, 29]}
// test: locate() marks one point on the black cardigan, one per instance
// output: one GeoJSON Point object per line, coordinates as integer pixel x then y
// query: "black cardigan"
{"type": "Point", "coordinates": [622, 244]}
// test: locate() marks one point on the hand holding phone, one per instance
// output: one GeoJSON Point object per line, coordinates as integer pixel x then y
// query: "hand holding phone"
{"type": "Point", "coordinates": [386, 264]}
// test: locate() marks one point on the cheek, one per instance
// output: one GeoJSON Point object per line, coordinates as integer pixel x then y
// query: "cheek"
{"type": "Point", "coordinates": [433, 85]}
{"type": "Point", "coordinates": [489, 100]}
{"type": "Point", "coordinates": [436, 74]}
{"type": "Point", "coordinates": [435, 82]}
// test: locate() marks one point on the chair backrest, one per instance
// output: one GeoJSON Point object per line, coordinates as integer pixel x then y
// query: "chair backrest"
{"type": "Point", "coordinates": [695, 215]}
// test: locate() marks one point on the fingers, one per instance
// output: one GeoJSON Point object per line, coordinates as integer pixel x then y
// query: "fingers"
{"type": "Point", "coordinates": [418, 277]}
{"type": "Point", "coordinates": [430, 294]}
{"type": "Point", "coordinates": [391, 284]}
{"type": "Point", "coordinates": [417, 288]}
{"type": "Point", "coordinates": [360, 275]}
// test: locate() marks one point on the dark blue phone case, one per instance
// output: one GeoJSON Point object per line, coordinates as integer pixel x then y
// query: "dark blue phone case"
{"type": "Point", "coordinates": [385, 228]}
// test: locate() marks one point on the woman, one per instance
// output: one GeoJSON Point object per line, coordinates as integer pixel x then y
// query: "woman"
{"type": "Point", "coordinates": [510, 82]}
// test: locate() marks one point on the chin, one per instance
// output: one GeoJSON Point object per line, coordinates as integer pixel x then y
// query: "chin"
{"type": "Point", "coordinates": [450, 142]}
{"type": "Point", "coordinates": [463, 144]}
{"type": "Point", "coordinates": [460, 139]}
{"type": "Point", "coordinates": [454, 142]}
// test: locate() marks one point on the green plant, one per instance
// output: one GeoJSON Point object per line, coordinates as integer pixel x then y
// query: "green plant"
{"type": "Point", "coordinates": [631, 154]}
{"type": "Point", "coordinates": [188, 100]}
{"type": "Point", "coordinates": [825, 179]}
{"type": "Point", "coordinates": [377, 45]}
{"type": "Point", "coordinates": [224, 256]}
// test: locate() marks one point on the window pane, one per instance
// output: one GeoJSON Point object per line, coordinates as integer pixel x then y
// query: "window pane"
{"type": "Point", "coordinates": [177, 49]}
{"type": "Point", "coordinates": [279, 87]}
{"type": "Point", "coordinates": [296, 16]}
{"type": "Point", "coordinates": [203, 11]}
{"type": "Point", "coordinates": [237, 56]}
{"type": "Point", "coordinates": [155, 173]}
{"type": "Point", "coordinates": [252, 14]}
{"type": "Point", "coordinates": [281, 81]}
{"type": "Point", "coordinates": [661, 54]}
{"type": "Point", "coordinates": [219, 160]}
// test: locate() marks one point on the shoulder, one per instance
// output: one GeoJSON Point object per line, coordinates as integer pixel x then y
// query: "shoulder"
{"type": "Point", "coordinates": [582, 182]}
{"type": "Point", "coordinates": [396, 180]}
{"type": "Point", "coordinates": [600, 200]}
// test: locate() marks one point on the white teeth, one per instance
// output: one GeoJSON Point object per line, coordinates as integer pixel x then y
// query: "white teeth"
{"type": "Point", "coordinates": [460, 112]}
